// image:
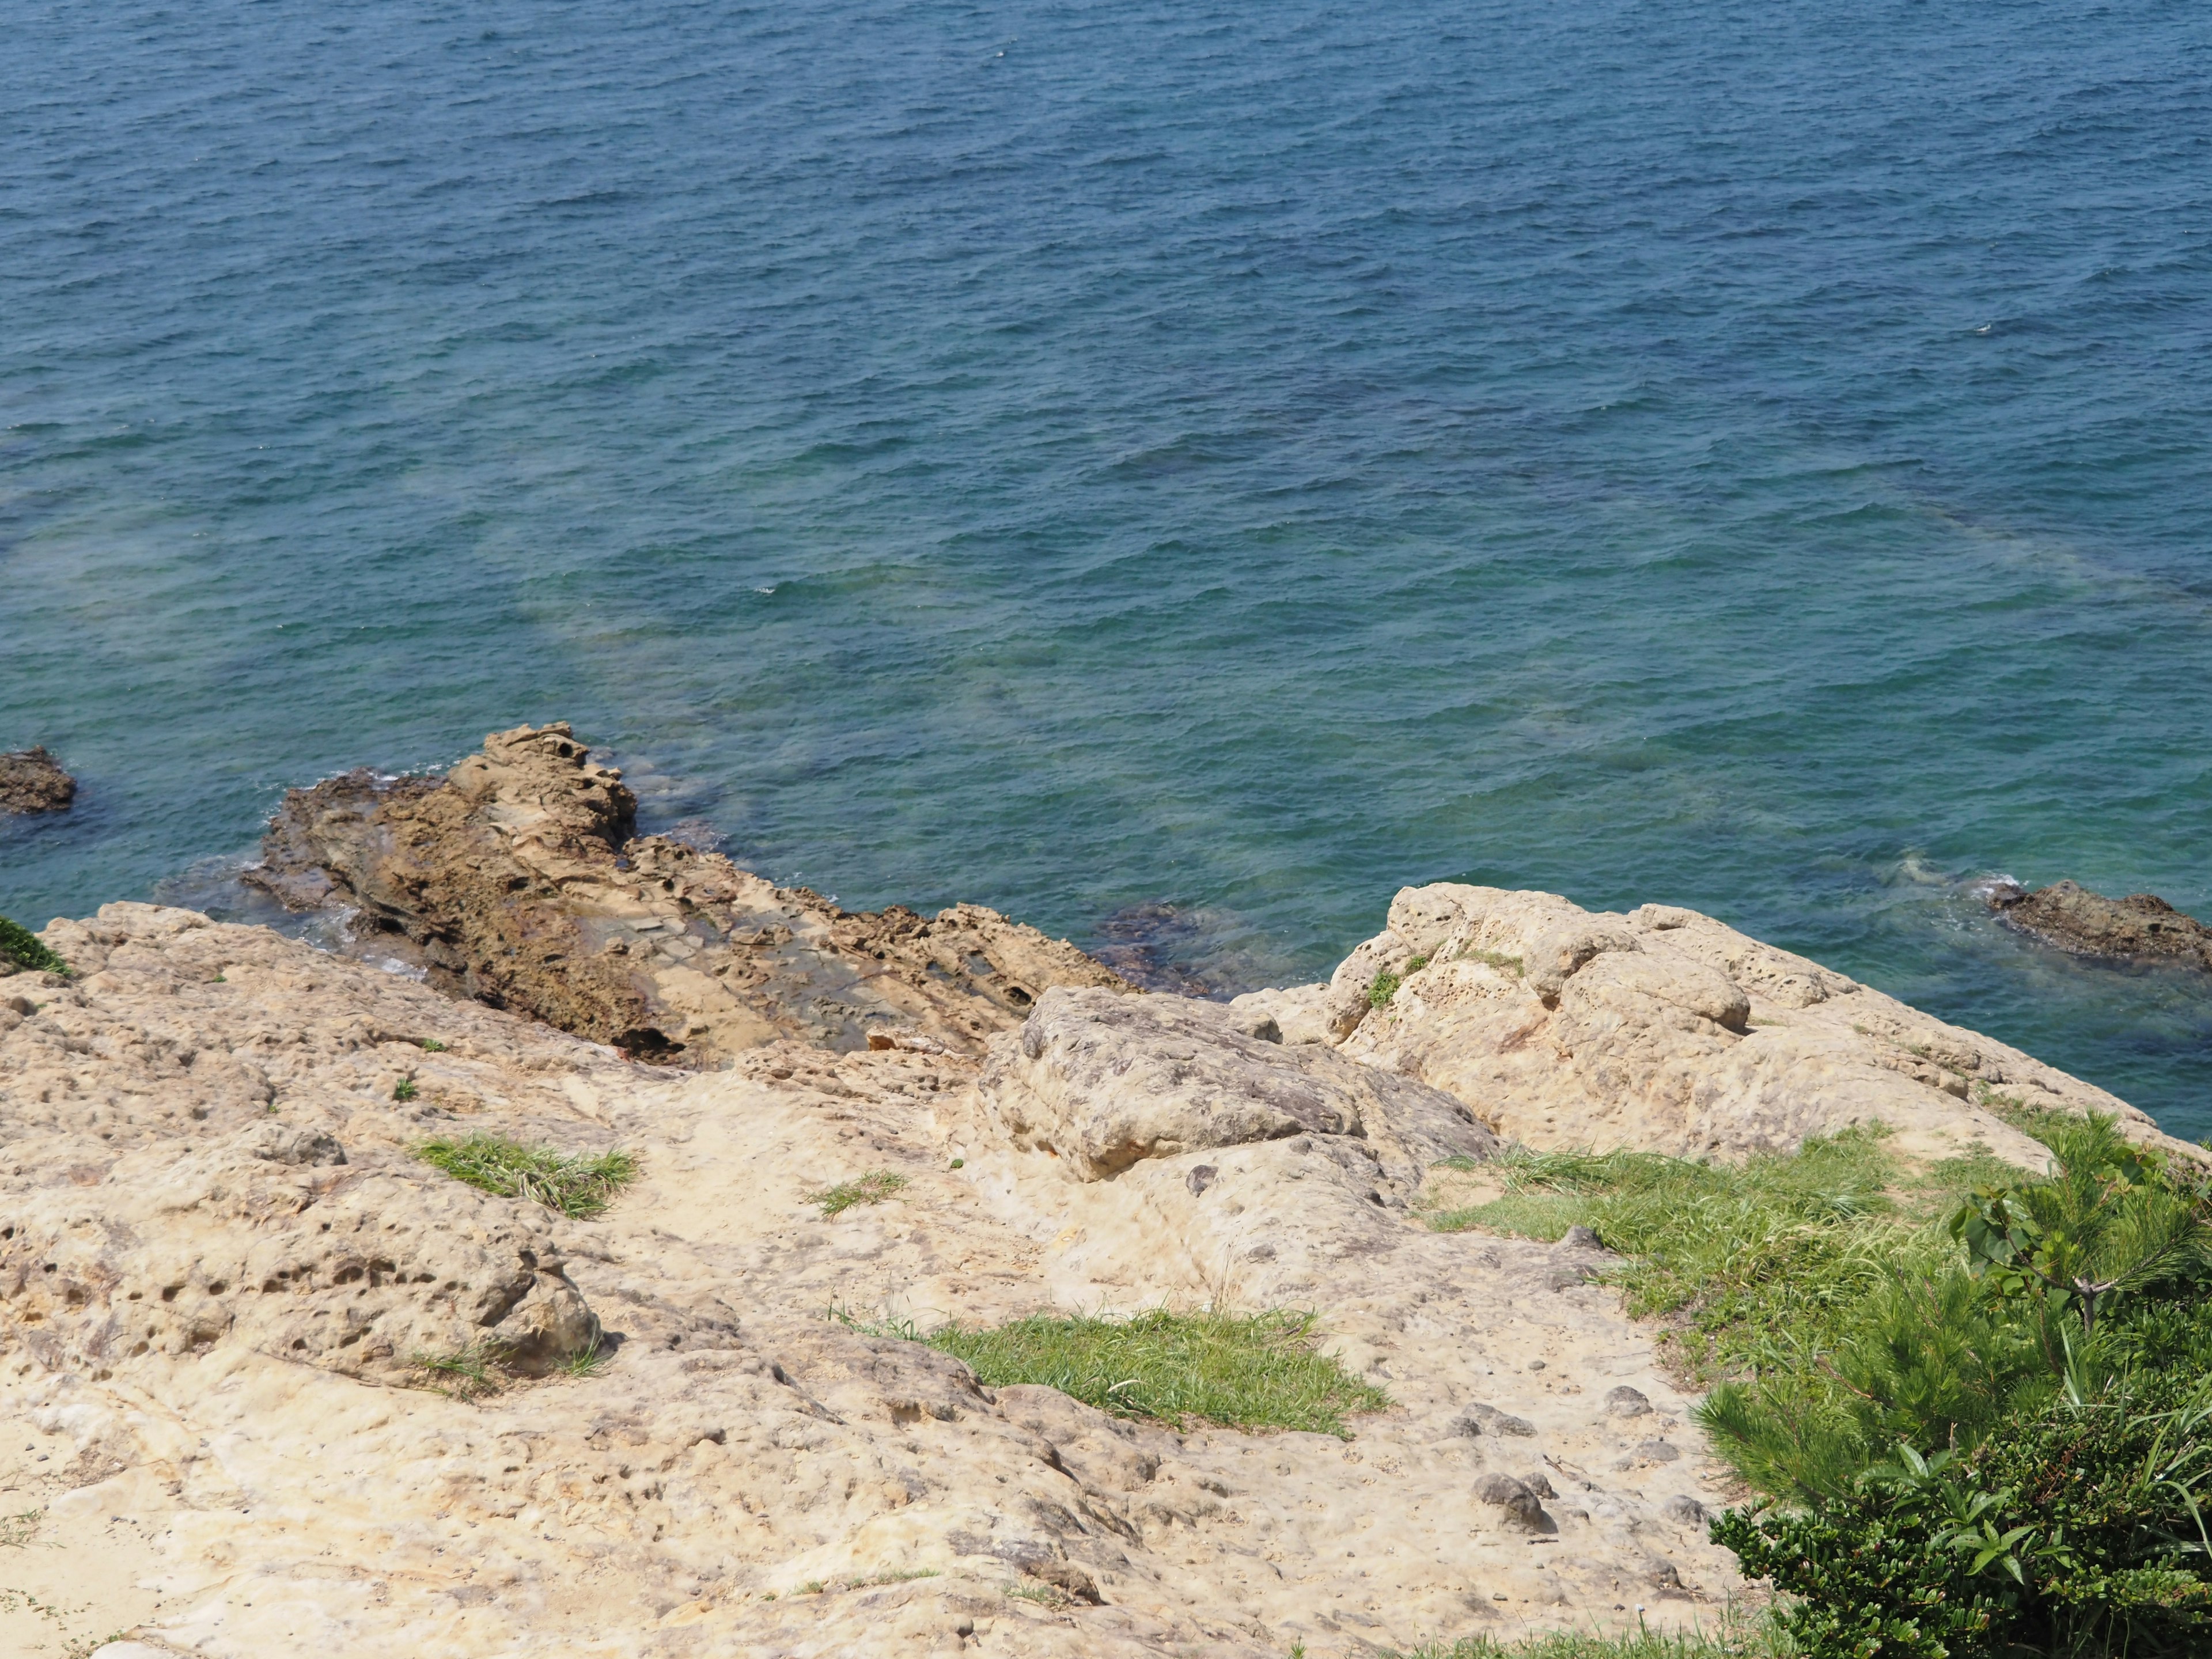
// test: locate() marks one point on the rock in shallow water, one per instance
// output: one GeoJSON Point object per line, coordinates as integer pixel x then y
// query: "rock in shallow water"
{"type": "Point", "coordinates": [517, 880]}
{"type": "Point", "coordinates": [2141, 927]}
{"type": "Point", "coordinates": [32, 780]}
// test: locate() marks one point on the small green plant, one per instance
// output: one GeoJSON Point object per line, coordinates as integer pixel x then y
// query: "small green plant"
{"type": "Point", "coordinates": [577, 1185]}
{"type": "Point", "coordinates": [811, 1587]}
{"type": "Point", "coordinates": [959, 1163]}
{"type": "Point", "coordinates": [1043, 1595]}
{"type": "Point", "coordinates": [17, 1530]}
{"type": "Point", "coordinates": [432, 1046]}
{"type": "Point", "coordinates": [872, 1188]}
{"type": "Point", "coordinates": [1255, 1372]}
{"type": "Point", "coordinates": [590, 1363]}
{"type": "Point", "coordinates": [1383, 987]}
{"type": "Point", "coordinates": [20, 946]}
{"type": "Point", "coordinates": [469, 1374]}
{"type": "Point", "coordinates": [404, 1089]}
{"type": "Point", "coordinates": [1497, 959]}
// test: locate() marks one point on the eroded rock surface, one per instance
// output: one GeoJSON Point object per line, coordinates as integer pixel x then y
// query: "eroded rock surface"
{"type": "Point", "coordinates": [2141, 927]}
{"type": "Point", "coordinates": [1103, 1080]}
{"type": "Point", "coordinates": [517, 880]}
{"type": "Point", "coordinates": [32, 780]}
{"type": "Point", "coordinates": [1666, 1031]}
{"type": "Point", "coordinates": [745, 1475]}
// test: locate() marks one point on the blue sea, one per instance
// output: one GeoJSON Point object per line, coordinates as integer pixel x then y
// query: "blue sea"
{"type": "Point", "coordinates": [1173, 473]}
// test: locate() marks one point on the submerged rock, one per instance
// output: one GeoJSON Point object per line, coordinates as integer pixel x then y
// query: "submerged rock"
{"type": "Point", "coordinates": [2141, 927]}
{"type": "Point", "coordinates": [32, 780]}
{"type": "Point", "coordinates": [518, 880]}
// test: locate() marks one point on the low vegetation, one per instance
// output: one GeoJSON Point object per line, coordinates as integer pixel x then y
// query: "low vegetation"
{"type": "Point", "coordinates": [1979, 1403]}
{"type": "Point", "coordinates": [1731, 1638]}
{"type": "Point", "coordinates": [20, 946]}
{"type": "Point", "coordinates": [575, 1184]}
{"type": "Point", "coordinates": [872, 1188]}
{"type": "Point", "coordinates": [1254, 1372]}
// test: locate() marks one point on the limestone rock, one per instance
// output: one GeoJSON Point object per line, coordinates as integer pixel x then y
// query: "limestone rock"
{"type": "Point", "coordinates": [2141, 927]}
{"type": "Point", "coordinates": [1298, 1013]}
{"type": "Point", "coordinates": [1103, 1080]}
{"type": "Point", "coordinates": [32, 780]}
{"type": "Point", "coordinates": [1665, 1031]}
{"type": "Point", "coordinates": [516, 880]}
{"type": "Point", "coordinates": [740, 1474]}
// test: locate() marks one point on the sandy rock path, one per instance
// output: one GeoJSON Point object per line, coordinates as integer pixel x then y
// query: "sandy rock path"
{"type": "Point", "coordinates": [746, 1474]}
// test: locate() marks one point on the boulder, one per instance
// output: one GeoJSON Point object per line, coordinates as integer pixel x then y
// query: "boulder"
{"type": "Point", "coordinates": [517, 880]}
{"type": "Point", "coordinates": [32, 780]}
{"type": "Point", "coordinates": [1103, 1081]}
{"type": "Point", "coordinates": [2141, 927]}
{"type": "Point", "coordinates": [1665, 1031]}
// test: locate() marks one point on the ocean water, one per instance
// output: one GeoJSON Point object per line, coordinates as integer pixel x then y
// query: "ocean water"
{"type": "Point", "coordinates": [1173, 473]}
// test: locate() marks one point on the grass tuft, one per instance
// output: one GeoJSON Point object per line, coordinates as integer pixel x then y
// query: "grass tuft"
{"type": "Point", "coordinates": [20, 946]}
{"type": "Point", "coordinates": [575, 1185]}
{"type": "Point", "coordinates": [1255, 1372]}
{"type": "Point", "coordinates": [432, 1046]}
{"type": "Point", "coordinates": [1383, 987]}
{"type": "Point", "coordinates": [404, 1089]}
{"type": "Point", "coordinates": [872, 1188]}
{"type": "Point", "coordinates": [17, 1530]}
{"type": "Point", "coordinates": [1497, 959]}
{"type": "Point", "coordinates": [469, 1374]}
{"type": "Point", "coordinates": [590, 1363]}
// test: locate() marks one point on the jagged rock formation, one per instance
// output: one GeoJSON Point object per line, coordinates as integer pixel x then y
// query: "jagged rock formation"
{"type": "Point", "coordinates": [746, 1475]}
{"type": "Point", "coordinates": [2141, 927]}
{"type": "Point", "coordinates": [517, 880]}
{"type": "Point", "coordinates": [32, 780]}
{"type": "Point", "coordinates": [1666, 1031]}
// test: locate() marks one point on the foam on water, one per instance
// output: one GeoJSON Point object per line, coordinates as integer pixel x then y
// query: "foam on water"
{"type": "Point", "coordinates": [1079, 458]}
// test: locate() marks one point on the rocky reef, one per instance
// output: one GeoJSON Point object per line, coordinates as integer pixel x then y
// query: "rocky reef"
{"type": "Point", "coordinates": [32, 780]}
{"type": "Point", "coordinates": [518, 880]}
{"type": "Point", "coordinates": [234, 1296]}
{"type": "Point", "coordinates": [2141, 927]}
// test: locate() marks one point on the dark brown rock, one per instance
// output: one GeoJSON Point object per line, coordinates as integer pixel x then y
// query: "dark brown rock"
{"type": "Point", "coordinates": [32, 780]}
{"type": "Point", "coordinates": [518, 879]}
{"type": "Point", "coordinates": [2141, 927]}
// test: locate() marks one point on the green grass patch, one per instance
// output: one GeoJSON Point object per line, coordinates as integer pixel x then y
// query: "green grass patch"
{"type": "Point", "coordinates": [20, 946]}
{"type": "Point", "coordinates": [432, 1046]}
{"type": "Point", "coordinates": [1383, 987]}
{"type": "Point", "coordinates": [1732, 1637]}
{"type": "Point", "coordinates": [469, 1374]}
{"type": "Point", "coordinates": [1497, 959]}
{"type": "Point", "coordinates": [872, 1188]}
{"type": "Point", "coordinates": [404, 1089]}
{"type": "Point", "coordinates": [574, 1184]}
{"type": "Point", "coordinates": [1255, 1371]}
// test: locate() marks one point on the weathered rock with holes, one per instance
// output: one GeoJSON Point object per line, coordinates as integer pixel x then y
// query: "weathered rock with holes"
{"type": "Point", "coordinates": [517, 880]}
{"type": "Point", "coordinates": [1104, 1081]}
{"type": "Point", "coordinates": [1665, 1031]}
{"type": "Point", "coordinates": [737, 1473]}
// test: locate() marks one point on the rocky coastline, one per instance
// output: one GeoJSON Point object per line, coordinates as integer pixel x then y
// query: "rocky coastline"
{"type": "Point", "coordinates": [2142, 927]}
{"type": "Point", "coordinates": [32, 780]}
{"type": "Point", "coordinates": [225, 1267]}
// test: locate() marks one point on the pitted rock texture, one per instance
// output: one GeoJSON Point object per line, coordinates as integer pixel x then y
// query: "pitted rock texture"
{"type": "Point", "coordinates": [516, 880]}
{"type": "Point", "coordinates": [1667, 1031]}
{"type": "Point", "coordinates": [1103, 1080]}
{"type": "Point", "coordinates": [2141, 927]}
{"type": "Point", "coordinates": [744, 1475]}
{"type": "Point", "coordinates": [32, 780]}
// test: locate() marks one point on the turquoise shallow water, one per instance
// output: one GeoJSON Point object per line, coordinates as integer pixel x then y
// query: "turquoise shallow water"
{"type": "Point", "coordinates": [1076, 457]}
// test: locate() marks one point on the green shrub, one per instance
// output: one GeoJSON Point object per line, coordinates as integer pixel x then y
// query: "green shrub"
{"type": "Point", "coordinates": [20, 946]}
{"type": "Point", "coordinates": [576, 1185]}
{"type": "Point", "coordinates": [1257, 1372]}
{"type": "Point", "coordinates": [2074, 1530]}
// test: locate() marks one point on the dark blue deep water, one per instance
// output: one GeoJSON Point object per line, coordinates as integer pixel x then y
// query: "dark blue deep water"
{"type": "Point", "coordinates": [1079, 456]}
